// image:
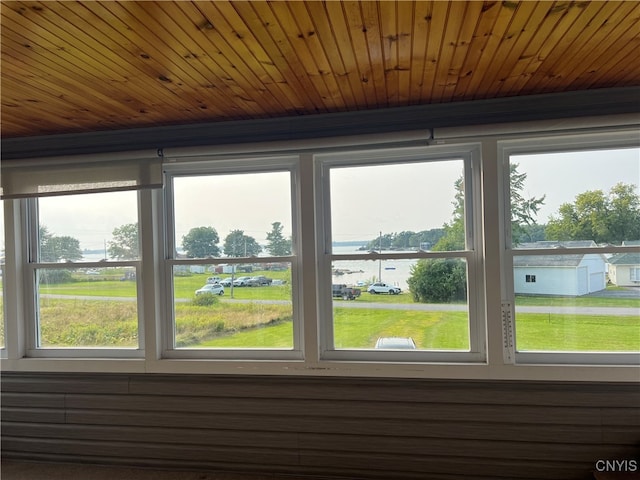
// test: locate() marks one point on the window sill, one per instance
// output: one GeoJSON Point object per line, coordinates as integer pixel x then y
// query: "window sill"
{"type": "Point", "coordinates": [578, 373]}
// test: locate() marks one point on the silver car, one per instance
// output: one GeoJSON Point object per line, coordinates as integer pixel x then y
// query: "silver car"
{"type": "Point", "coordinates": [213, 288]}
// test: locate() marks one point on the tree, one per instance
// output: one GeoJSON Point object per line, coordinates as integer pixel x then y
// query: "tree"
{"type": "Point", "coordinates": [453, 238]}
{"type": "Point", "coordinates": [523, 210]}
{"type": "Point", "coordinates": [445, 280]}
{"type": "Point", "coordinates": [66, 248]}
{"type": "Point", "coordinates": [237, 244]}
{"type": "Point", "coordinates": [523, 213]}
{"type": "Point", "coordinates": [277, 245]}
{"type": "Point", "coordinates": [594, 215]}
{"type": "Point", "coordinates": [438, 280]}
{"type": "Point", "coordinates": [124, 245]}
{"type": "Point", "coordinates": [201, 242]}
{"type": "Point", "coordinates": [54, 248]}
{"type": "Point", "coordinates": [405, 240]}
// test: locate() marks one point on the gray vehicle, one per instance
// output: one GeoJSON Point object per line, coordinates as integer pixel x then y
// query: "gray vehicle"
{"type": "Point", "coordinates": [259, 281]}
{"type": "Point", "coordinates": [340, 290]}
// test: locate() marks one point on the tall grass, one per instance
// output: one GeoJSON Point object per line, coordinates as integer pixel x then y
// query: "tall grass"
{"type": "Point", "coordinates": [98, 323]}
{"type": "Point", "coordinates": [196, 325]}
{"type": "Point", "coordinates": [88, 323]}
{"type": "Point", "coordinates": [113, 323]}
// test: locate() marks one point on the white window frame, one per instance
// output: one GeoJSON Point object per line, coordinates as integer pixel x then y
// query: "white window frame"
{"type": "Point", "coordinates": [470, 155]}
{"type": "Point", "coordinates": [571, 142]}
{"type": "Point", "coordinates": [495, 323]}
{"type": "Point", "coordinates": [31, 290]}
{"type": "Point", "coordinates": [210, 165]}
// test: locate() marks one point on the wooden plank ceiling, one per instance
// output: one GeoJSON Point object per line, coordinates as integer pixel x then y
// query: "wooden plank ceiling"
{"type": "Point", "coordinates": [72, 67]}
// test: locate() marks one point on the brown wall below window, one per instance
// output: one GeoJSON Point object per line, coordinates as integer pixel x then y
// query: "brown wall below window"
{"type": "Point", "coordinates": [369, 428]}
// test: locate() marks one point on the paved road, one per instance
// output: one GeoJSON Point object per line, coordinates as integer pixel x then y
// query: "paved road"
{"type": "Point", "coordinates": [621, 311]}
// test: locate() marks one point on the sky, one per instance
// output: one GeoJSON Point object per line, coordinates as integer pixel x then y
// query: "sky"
{"type": "Point", "coordinates": [365, 200]}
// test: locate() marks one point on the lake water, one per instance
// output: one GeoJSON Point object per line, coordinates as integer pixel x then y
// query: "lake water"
{"type": "Point", "coordinates": [394, 272]}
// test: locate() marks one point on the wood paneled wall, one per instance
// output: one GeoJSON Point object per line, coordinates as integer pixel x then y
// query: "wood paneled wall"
{"type": "Point", "coordinates": [365, 428]}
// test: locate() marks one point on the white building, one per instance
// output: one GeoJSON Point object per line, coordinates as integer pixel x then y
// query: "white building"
{"type": "Point", "coordinates": [624, 268]}
{"type": "Point", "coordinates": [565, 275]}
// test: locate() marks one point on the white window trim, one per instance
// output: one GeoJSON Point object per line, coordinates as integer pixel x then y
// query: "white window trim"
{"type": "Point", "coordinates": [470, 155]}
{"type": "Point", "coordinates": [31, 295]}
{"type": "Point", "coordinates": [497, 366]}
{"type": "Point", "coordinates": [211, 165]}
{"type": "Point", "coordinates": [599, 140]}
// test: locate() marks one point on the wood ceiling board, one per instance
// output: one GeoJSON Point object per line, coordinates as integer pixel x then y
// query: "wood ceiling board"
{"type": "Point", "coordinates": [557, 56]}
{"type": "Point", "coordinates": [248, 85]}
{"type": "Point", "coordinates": [185, 74]}
{"type": "Point", "coordinates": [460, 48]}
{"type": "Point", "coordinates": [518, 60]}
{"type": "Point", "coordinates": [264, 25]}
{"type": "Point", "coordinates": [358, 60]}
{"type": "Point", "coordinates": [506, 52]}
{"type": "Point", "coordinates": [476, 53]}
{"type": "Point", "coordinates": [349, 49]}
{"type": "Point", "coordinates": [437, 22]}
{"type": "Point", "coordinates": [420, 39]}
{"type": "Point", "coordinates": [304, 40]}
{"type": "Point", "coordinates": [589, 39]}
{"type": "Point", "coordinates": [546, 38]}
{"type": "Point", "coordinates": [371, 29]}
{"type": "Point", "coordinates": [80, 52]}
{"type": "Point", "coordinates": [117, 65]}
{"type": "Point", "coordinates": [60, 78]}
{"type": "Point", "coordinates": [242, 40]}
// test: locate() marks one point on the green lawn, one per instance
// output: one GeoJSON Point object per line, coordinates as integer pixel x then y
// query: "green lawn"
{"type": "Point", "coordinates": [256, 325]}
{"type": "Point", "coordinates": [186, 286]}
{"type": "Point", "coordinates": [78, 322]}
{"type": "Point", "coordinates": [356, 328]}
{"type": "Point", "coordinates": [569, 332]}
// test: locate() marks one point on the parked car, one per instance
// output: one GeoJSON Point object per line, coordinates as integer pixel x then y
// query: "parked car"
{"type": "Point", "coordinates": [259, 281]}
{"type": "Point", "coordinates": [226, 282]}
{"type": "Point", "coordinates": [213, 288]}
{"type": "Point", "coordinates": [396, 343]}
{"type": "Point", "coordinates": [213, 280]}
{"type": "Point", "coordinates": [342, 290]}
{"type": "Point", "coordinates": [380, 287]}
{"type": "Point", "coordinates": [241, 282]}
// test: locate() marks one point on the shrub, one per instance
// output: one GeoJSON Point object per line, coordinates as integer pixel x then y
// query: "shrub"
{"type": "Point", "coordinates": [438, 280]}
{"type": "Point", "coordinates": [48, 277]}
{"type": "Point", "coordinates": [205, 300]}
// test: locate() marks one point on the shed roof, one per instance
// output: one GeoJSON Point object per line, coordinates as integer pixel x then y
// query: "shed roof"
{"type": "Point", "coordinates": [547, 260]}
{"type": "Point", "coordinates": [631, 258]}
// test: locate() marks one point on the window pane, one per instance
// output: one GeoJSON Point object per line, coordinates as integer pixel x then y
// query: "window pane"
{"type": "Point", "coordinates": [89, 227]}
{"type": "Point", "coordinates": [403, 304]}
{"type": "Point", "coordinates": [233, 306]}
{"type": "Point", "coordinates": [588, 196]}
{"type": "Point", "coordinates": [398, 207]}
{"type": "Point", "coordinates": [233, 215]}
{"type": "Point", "coordinates": [576, 301]}
{"type": "Point", "coordinates": [562, 305]}
{"type": "Point", "coordinates": [409, 303]}
{"type": "Point", "coordinates": [87, 308]}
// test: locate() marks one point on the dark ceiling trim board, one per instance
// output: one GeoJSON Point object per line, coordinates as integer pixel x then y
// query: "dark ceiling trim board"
{"type": "Point", "coordinates": [512, 109]}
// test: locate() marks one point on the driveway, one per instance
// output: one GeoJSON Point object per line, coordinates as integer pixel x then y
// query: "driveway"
{"type": "Point", "coordinates": [621, 292]}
